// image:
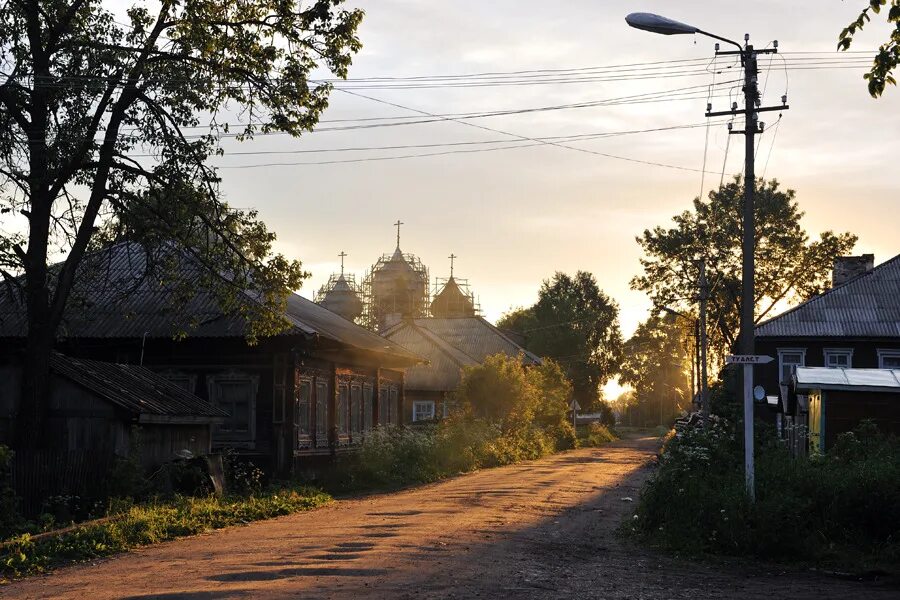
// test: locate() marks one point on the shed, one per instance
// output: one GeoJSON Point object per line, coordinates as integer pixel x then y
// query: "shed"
{"type": "Point", "coordinates": [110, 408]}
{"type": "Point", "coordinates": [838, 399]}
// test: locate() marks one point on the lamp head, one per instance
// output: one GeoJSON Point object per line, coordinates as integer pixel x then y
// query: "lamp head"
{"type": "Point", "coordinates": [658, 24]}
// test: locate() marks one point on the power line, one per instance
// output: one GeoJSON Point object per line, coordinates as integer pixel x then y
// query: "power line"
{"type": "Point", "coordinates": [524, 138]}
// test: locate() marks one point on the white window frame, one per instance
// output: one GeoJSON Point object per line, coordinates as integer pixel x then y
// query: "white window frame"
{"type": "Point", "coordinates": [228, 436]}
{"type": "Point", "coordinates": [886, 353]}
{"type": "Point", "coordinates": [781, 353]}
{"type": "Point", "coordinates": [419, 403]}
{"type": "Point", "coordinates": [829, 352]}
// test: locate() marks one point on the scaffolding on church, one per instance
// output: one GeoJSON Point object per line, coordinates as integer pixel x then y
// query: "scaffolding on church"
{"type": "Point", "coordinates": [396, 287]}
{"type": "Point", "coordinates": [458, 302]}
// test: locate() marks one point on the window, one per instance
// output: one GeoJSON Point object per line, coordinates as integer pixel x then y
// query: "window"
{"type": "Point", "coordinates": [302, 407]}
{"type": "Point", "coordinates": [342, 417]}
{"type": "Point", "coordinates": [235, 393]}
{"type": "Point", "coordinates": [321, 412]}
{"type": "Point", "coordinates": [836, 358]}
{"type": "Point", "coordinates": [889, 359]}
{"type": "Point", "coordinates": [356, 423]}
{"type": "Point", "coordinates": [368, 407]}
{"type": "Point", "coordinates": [423, 410]}
{"type": "Point", "coordinates": [787, 358]}
{"type": "Point", "coordinates": [395, 405]}
{"type": "Point", "coordinates": [384, 407]}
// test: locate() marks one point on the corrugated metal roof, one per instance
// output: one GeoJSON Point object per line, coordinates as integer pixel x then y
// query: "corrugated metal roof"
{"type": "Point", "coordinates": [475, 337]}
{"type": "Point", "coordinates": [824, 378]}
{"type": "Point", "coordinates": [117, 296]}
{"type": "Point", "coordinates": [450, 344]}
{"type": "Point", "coordinates": [867, 306]}
{"type": "Point", "coordinates": [135, 389]}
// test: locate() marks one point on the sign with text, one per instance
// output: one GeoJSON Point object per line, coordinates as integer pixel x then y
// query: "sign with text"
{"type": "Point", "coordinates": [747, 359]}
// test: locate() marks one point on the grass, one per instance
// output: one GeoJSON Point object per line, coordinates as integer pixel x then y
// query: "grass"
{"type": "Point", "coordinates": [149, 523]}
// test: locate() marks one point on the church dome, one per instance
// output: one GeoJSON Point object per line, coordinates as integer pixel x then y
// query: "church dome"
{"type": "Point", "coordinates": [452, 302]}
{"type": "Point", "coordinates": [340, 298]}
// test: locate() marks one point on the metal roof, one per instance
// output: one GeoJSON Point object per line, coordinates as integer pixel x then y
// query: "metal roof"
{"type": "Point", "coordinates": [450, 344]}
{"type": "Point", "coordinates": [117, 295]}
{"type": "Point", "coordinates": [867, 306]}
{"type": "Point", "coordinates": [135, 389]}
{"type": "Point", "coordinates": [824, 378]}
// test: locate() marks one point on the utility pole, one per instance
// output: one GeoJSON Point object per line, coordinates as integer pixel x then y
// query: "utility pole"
{"type": "Point", "coordinates": [704, 296]}
{"type": "Point", "coordinates": [748, 55]}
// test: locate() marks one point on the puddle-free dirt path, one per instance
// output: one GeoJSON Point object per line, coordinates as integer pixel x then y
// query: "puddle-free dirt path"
{"type": "Point", "coordinates": [544, 529]}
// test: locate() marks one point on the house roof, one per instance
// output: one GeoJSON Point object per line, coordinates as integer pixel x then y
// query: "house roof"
{"type": "Point", "coordinates": [824, 378]}
{"type": "Point", "coordinates": [136, 390]}
{"type": "Point", "coordinates": [450, 344]}
{"type": "Point", "coordinates": [118, 296]}
{"type": "Point", "coordinates": [867, 306]}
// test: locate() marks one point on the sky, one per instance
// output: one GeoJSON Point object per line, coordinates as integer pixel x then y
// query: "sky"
{"type": "Point", "coordinates": [516, 216]}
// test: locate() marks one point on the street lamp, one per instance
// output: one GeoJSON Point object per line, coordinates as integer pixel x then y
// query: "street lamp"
{"type": "Point", "coordinates": [751, 110]}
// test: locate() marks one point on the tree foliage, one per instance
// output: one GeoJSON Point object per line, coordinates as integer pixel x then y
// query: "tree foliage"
{"type": "Point", "coordinates": [577, 325]}
{"type": "Point", "coordinates": [789, 267]}
{"type": "Point", "coordinates": [117, 119]}
{"type": "Point", "coordinates": [888, 56]}
{"type": "Point", "coordinates": [657, 364]}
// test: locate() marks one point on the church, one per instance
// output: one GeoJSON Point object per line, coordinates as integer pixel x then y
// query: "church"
{"type": "Point", "coordinates": [439, 322]}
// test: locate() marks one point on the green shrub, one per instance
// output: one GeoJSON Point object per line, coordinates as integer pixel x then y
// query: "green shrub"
{"type": "Point", "coordinates": [598, 435]}
{"type": "Point", "coordinates": [842, 507]}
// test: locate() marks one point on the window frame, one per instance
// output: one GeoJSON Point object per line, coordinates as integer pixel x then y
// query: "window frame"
{"type": "Point", "coordinates": [888, 353]}
{"type": "Point", "coordinates": [781, 363]}
{"type": "Point", "coordinates": [827, 353]}
{"type": "Point", "coordinates": [304, 435]}
{"type": "Point", "coordinates": [417, 403]}
{"type": "Point", "coordinates": [322, 415]}
{"type": "Point", "coordinates": [231, 436]}
{"type": "Point", "coordinates": [342, 408]}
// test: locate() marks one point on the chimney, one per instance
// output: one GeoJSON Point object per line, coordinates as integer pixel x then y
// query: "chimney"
{"type": "Point", "coordinates": [849, 267]}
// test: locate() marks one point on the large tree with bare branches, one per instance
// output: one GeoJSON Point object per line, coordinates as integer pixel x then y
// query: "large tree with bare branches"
{"type": "Point", "coordinates": [789, 266]}
{"type": "Point", "coordinates": [113, 118]}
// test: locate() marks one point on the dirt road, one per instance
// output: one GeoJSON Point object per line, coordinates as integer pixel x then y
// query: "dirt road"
{"type": "Point", "coordinates": [538, 530]}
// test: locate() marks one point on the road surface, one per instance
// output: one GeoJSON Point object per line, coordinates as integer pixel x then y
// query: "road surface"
{"type": "Point", "coordinates": [544, 529]}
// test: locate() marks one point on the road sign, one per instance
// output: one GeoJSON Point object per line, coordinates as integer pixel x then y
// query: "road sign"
{"type": "Point", "coordinates": [747, 359]}
{"type": "Point", "coordinates": [573, 405]}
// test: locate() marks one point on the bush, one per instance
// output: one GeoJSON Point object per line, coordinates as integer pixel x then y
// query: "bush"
{"type": "Point", "coordinates": [598, 435]}
{"type": "Point", "coordinates": [840, 508]}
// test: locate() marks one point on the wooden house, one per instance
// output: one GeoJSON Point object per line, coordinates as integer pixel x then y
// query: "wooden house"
{"type": "Point", "coordinates": [313, 390]}
{"type": "Point", "coordinates": [853, 325]}
{"type": "Point", "coordinates": [450, 344]}
{"type": "Point", "coordinates": [105, 407]}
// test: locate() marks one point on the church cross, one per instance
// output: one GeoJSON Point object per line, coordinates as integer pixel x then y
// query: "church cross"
{"type": "Point", "coordinates": [397, 225]}
{"type": "Point", "coordinates": [342, 255]}
{"type": "Point", "coordinates": [452, 257]}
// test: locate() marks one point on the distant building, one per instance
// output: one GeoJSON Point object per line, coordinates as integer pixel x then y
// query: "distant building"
{"type": "Point", "coordinates": [341, 295]}
{"type": "Point", "coordinates": [449, 344]}
{"type": "Point", "coordinates": [854, 325]}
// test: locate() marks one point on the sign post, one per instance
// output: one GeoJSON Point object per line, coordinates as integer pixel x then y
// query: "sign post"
{"type": "Point", "coordinates": [748, 360]}
{"type": "Point", "coordinates": [574, 407]}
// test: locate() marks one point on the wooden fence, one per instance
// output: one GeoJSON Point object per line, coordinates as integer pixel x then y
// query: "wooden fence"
{"type": "Point", "coordinates": [39, 474]}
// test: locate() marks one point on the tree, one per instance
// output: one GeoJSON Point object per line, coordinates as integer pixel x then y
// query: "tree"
{"type": "Point", "coordinates": [657, 364]}
{"type": "Point", "coordinates": [102, 118]}
{"type": "Point", "coordinates": [577, 325]}
{"type": "Point", "coordinates": [499, 391]}
{"type": "Point", "coordinates": [789, 267]}
{"type": "Point", "coordinates": [888, 56]}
